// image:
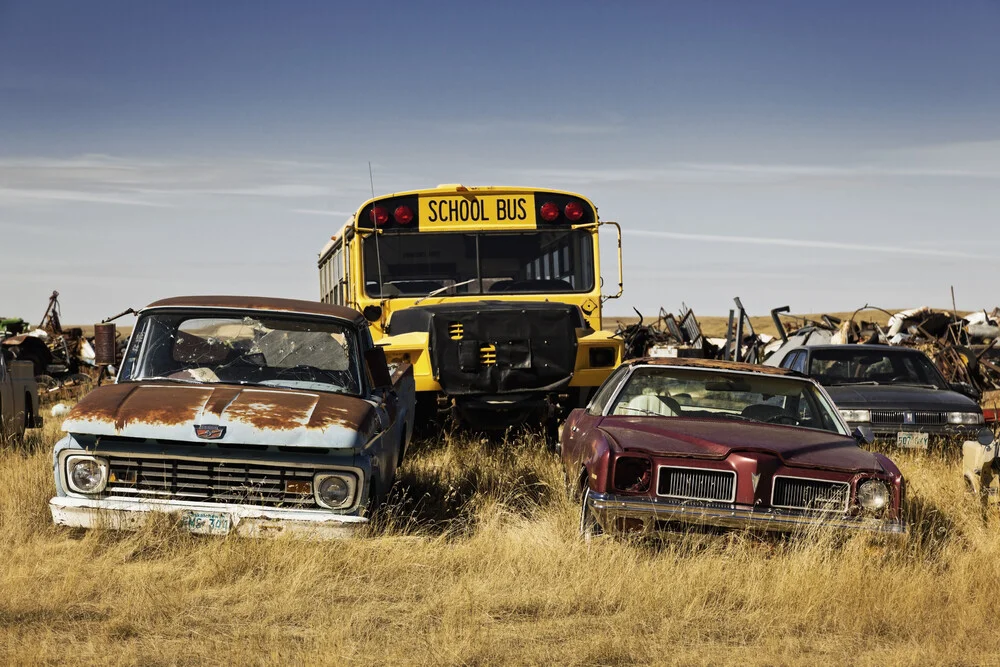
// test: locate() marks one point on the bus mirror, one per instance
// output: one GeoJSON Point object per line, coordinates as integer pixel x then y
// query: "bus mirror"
{"type": "Point", "coordinates": [372, 313]}
{"type": "Point", "coordinates": [621, 282]}
{"type": "Point", "coordinates": [104, 344]}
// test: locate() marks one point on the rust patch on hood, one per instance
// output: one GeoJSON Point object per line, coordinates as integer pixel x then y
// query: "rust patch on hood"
{"type": "Point", "coordinates": [263, 409]}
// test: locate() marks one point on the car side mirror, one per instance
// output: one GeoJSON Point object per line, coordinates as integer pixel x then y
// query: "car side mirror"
{"type": "Point", "coordinates": [105, 344]}
{"type": "Point", "coordinates": [378, 368]}
{"type": "Point", "coordinates": [864, 435]}
{"type": "Point", "coordinates": [966, 389]}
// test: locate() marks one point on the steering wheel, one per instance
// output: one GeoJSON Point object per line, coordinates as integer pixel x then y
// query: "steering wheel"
{"type": "Point", "coordinates": [339, 378]}
{"type": "Point", "coordinates": [783, 419]}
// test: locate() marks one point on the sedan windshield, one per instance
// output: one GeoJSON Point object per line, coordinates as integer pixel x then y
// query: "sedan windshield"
{"type": "Point", "coordinates": [856, 364]}
{"type": "Point", "coordinates": [662, 391]}
{"type": "Point", "coordinates": [280, 351]}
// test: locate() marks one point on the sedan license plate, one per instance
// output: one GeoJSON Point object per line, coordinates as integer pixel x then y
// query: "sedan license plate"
{"type": "Point", "coordinates": [912, 440]}
{"type": "Point", "coordinates": [206, 523]}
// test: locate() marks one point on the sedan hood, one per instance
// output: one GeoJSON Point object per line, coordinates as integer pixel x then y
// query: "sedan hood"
{"type": "Point", "coordinates": [716, 439]}
{"type": "Point", "coordinates": [900, 397]}
{"type": "Point", "coordinates": [257, 415]}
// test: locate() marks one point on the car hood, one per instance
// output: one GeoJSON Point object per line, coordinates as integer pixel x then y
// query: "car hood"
{"type": "Point", "coordinates": [900, 397]}
{"type": "Point", "coordinates": [717, 439]}
{"type": "Point", "coordinates": [261, 416]}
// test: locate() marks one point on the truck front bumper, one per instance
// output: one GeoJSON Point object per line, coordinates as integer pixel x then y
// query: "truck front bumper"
{"type": "Point", "coordinates": [203, 518]}
{"type": "Point", "coordinates": [617, 513]}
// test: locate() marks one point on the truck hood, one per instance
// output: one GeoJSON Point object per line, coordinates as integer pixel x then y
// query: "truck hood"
{"type": "Point", "coordinates": [900, 397]}
{"type": "Point", "coordinates": [717, 439]}
{"type": "Point", "coordinates": [246, 415]}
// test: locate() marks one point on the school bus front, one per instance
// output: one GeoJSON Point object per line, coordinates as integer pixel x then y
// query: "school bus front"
{"type": "Point", "coordinates": [493, 294]}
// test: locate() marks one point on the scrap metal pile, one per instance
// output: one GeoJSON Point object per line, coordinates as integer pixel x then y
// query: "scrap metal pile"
{"type": "Point", "coordinates": [61, 357]}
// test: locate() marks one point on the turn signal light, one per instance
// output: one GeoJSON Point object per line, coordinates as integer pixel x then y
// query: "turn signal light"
{"type": "Point", "coordinates": [549, 212]}
{"type": "Point", "coordinates": [403, 215]}
{"type": "Point", "coordinates": [379, 215]}
{"type": "Point", "coordinates": [573, 211]}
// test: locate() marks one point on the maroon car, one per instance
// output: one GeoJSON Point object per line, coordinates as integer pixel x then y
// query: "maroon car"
{"type": "Point", "coordinates": [685, 441]}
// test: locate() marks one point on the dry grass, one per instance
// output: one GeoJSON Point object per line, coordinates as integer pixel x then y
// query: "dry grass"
{"type": "Point", "coordinates": [478, 562]}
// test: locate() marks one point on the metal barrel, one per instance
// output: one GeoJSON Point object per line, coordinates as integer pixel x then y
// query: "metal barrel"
{"type": "Point", "coordinates": [105, 344]}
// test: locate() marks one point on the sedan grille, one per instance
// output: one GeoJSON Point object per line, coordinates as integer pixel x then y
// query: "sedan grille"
{"type": "Point", "coordinates": [271, 485]}
{"type": "Point", "coordinates": [697, 484]}
{"type": "Point", "coordinates": [810, 494]}
{"type": "Point", "coordinates": [894, 417]}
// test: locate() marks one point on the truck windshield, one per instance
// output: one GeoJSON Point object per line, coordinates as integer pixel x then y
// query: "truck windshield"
{"type": "Point", "coordinates": [244, 348]}
{"type": "Point", "coordinates": [415, 264]}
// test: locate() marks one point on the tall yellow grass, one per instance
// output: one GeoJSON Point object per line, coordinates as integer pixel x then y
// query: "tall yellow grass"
{"type": "Point", "coordinates": [477, 562]}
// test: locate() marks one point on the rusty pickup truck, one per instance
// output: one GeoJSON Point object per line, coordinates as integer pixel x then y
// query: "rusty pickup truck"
{"type": "Point", "coordinates": [253, 416]}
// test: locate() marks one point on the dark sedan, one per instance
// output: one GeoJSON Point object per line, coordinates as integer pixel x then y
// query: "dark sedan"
{"type": "Point", "coordinates": [896, 391]}
{"type": "Point", "coordinates": [723, 444]}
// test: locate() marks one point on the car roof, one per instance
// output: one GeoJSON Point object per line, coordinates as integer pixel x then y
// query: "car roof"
{"type": "Point", "coordinates": [716, 364]}
{"type": "Point", "coordinates": [260, 303]}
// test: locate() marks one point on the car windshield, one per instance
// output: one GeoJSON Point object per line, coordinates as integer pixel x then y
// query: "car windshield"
{"type": "Point", "coordinates": [856, 364]}
{"type": "Point", "coordinates": [244, 348]}
{"type": "Point", "coordinates": [662, 391]}
{"type": "Point", "coordinates": [449, 264]}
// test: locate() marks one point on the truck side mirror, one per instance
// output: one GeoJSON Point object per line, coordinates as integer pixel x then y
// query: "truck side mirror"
{"type": "Point", "coordinates": [105, 344]}
{"type": "Point", "coordinates": [378, 368]}
{"type": "Point", "coordinates": [372, 313]}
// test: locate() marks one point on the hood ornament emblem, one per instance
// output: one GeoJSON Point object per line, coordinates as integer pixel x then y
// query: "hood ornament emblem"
{"type": "Point", "coordinates": [209, 431]}
{"type": "Point", "coordinates": [755, 478]}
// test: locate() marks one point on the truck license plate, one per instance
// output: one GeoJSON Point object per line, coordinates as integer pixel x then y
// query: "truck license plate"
{"type": "Point", "coordinates": [912, 440]}
{"type": "Point", "coordinates": [206, 523]}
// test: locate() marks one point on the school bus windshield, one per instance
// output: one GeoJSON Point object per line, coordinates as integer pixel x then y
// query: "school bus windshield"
{"type": "Point", "coordinates": [466, 263]}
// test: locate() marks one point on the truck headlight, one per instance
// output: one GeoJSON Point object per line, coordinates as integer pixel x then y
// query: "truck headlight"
{"type": "Point", "coordinates": [856, 415]}
{"type": "Point", "coordinates": [86, 474]}
{"type": "Point", "coordinates": [965, 418]}
{"type": "Point", "coordinates": [335, 490]}
{"type": "Point", "coordinates": [602, 357]}
{"type": "Point", "coordinates": [873, 494]}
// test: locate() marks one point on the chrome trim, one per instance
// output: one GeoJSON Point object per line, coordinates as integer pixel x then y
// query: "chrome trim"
{"type": "Point", "coordinates": [607, 508]}
{"type": "Point", "coordinates": [656, 487]}
{"type": "Point", "coordinates": [843, 510]}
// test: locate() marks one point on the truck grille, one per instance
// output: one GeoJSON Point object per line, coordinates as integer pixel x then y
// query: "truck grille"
{"type": "Point", "coordinates": [810, 494]}
{"type": "Point", "coordinates": [894, 417]}
{"type": "Point", "coordinates": [695, 484]}
{"type": "Point", "coordinates": [210, 481]}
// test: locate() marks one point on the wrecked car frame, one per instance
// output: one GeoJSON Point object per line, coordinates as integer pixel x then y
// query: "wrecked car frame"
{"type": "Point", "coordinates": [238, 415]}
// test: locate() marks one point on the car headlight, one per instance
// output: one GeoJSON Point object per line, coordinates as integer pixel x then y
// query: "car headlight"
{"type": "Point", "coordinates": [873, 494]}
{"type": "Point", "coordinates": [335, 490]}
{"type": "Point", "coordinates": [86, 474]}
{"type": "Point", "coordinates": [965, 418]}
{"type": "Point", "coordinates": [856, 415]}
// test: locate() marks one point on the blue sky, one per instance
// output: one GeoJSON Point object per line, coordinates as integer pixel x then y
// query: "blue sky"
{"type": "Point", "coordinates": [820, 155]}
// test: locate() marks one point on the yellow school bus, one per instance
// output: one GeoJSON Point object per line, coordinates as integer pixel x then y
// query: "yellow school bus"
{"type": "Point", "coordinates": [493, 294]}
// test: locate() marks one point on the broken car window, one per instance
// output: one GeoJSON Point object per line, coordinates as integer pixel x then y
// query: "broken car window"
{"type": "Point", "coordinates": [298, 353]}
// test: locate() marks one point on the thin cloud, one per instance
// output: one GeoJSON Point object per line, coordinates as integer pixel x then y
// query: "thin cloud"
{"type": "Point", "coordinates": [802, 243]}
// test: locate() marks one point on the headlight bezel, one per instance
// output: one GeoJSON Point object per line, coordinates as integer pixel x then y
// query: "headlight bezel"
{"type": "Point", "coordinates": [858, 416]}
{"type": "Point", "coordinates": [861, 495]}
{"type": "Point", "coordinates": [103, 467]}
{"type": "Point", "coordinates": [966, 418]}
{"type": "Point", "coordinates": [351, 481]}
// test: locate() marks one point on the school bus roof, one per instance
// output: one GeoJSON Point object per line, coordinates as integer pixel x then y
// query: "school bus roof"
{"type": "Point", "coordinates": [458, 188]}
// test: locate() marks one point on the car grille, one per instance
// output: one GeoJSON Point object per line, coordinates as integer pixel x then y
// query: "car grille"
{"type": "Point", "coordinates": [810, 494]}
{"type": "Point", "coordinates": [892, 417]}
{"type": "Point", "coordinates": [210, 481]}
{"type": "Point", "coordinates": [694, 484]}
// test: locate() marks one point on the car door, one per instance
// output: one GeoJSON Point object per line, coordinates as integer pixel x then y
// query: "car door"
{"type": "Point", "coordinates": [7, 407]}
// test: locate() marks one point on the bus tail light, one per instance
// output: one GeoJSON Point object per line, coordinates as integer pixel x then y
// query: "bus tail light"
{"type": "Point", "coordinates": [573, 211]}
{"type": "Point", "coordinates": [379, 215]}
{"type": "Point", "coordinates": [549, 212]}
{"type": "Point", "coordinates": [403, 215]}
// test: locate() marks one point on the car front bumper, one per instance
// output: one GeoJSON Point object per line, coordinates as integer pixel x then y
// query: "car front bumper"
{"type": "Point", "coordinates": [243, 520]}
{"type": "Point", "coordinates": [615, 512]}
